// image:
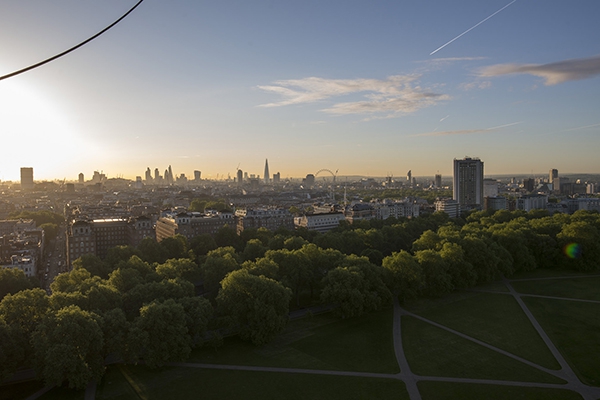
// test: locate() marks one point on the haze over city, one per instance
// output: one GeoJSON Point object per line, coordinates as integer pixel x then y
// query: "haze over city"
{"type": "Point", "coordinates": [366, 89]}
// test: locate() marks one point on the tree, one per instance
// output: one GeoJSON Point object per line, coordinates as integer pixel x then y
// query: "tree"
{"type": "Point", "coordinates": [50, 230]}
{"type": "Point", "coordinates": [145, 293]}
{"type": "Point", "coordinates": [227, 236]}
{"type": "Point", "coordinates": [262, 266]}
{"type": "Point", "coordinates": [515, 241]}
{"type": "Point", "coordinates": [406, 275]}
{"type": "Point", "coordinates": [198, 311]}
{"type": "Point", "coordinates": [257, 306]}
{"type": "Point", "coordinates": [69, 282]}
{"type": "Point", "coordinates": [294, 269]}
{"type": "Point", "coordinates": [254, 249]}
{"type": "Point", "coordinates": [23, 311]}
{"type": "Point", "coordinates": [115, 328]}
{"type": "Point", "coordinates": [580, 242]}
{"type": "Point", "coordinates": [93, 264]}
{"type": "Point", "coordinates": [166, 335]}
{"type": "Point", "coordinates": [12, 355]}
{"type": "Point", "coordinates": [462, 273]}
{"type": "Point", "coordinates": [197, 205]}
{"type": "Point", "coordinates": [120, 253]}
{"type": "Point", "coordinates": [13, 280]}
{"type": "Point", "coordinates": [429, 240]}
{"type": "Point", "coordinates": [355, 288]}
{"type": "Point", "coordinates": [68, 347]}
{"type": "Point", "coordinates": [218, 264]}
{"type": "Point", "coordinates": [294, 243]}
{"type": "Point", "coordinates": [175, 247]}
{"type": "Point", "coordinates": [151, 251]}
{"type": "Point", "coordinates": [179, 268]}
{"type": "Point", "coordinates": [202, 244]}
{"type": "Point", "coordinates": [435, 271]}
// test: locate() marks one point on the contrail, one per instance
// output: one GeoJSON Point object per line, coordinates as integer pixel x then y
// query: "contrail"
{"type": "Point", "coordinates": [470, 29]}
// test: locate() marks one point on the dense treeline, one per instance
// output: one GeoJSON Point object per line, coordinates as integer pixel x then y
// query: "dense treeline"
{"type": "Point", "coordinates": [158, 301]}
{"type": "Point", "coordinates": [47, 220]}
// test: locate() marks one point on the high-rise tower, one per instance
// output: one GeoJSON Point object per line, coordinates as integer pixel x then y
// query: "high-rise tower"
{"type": "Point", "coordinates": [27, 178]}
{"type": "Point", "coordinates": [267, 176]}
{"type": "Point", "coordinates": [468, 182]}
{"type": "Point", "coordinates": [552, 175]}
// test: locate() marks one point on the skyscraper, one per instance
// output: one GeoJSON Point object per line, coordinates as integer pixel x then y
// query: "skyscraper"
{"type": "Point", "coordinates": [468, 182]}
{"type": "Point", "coordinates": [552, 175]}
{"type": "Point", "coordinates": [240, 177]}
{"type": "Point", "coordinates": [267, 176]}
{"type": "Point", "coordinates": [438, 181]}
{"type": "Point", "coordinates": [27, 178]}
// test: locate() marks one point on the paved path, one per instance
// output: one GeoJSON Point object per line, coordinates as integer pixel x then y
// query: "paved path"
{"type": "Point", "coordinates": [410, 379]}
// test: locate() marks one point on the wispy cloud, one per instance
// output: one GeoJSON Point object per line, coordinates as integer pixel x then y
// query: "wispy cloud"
{"type": "Point", "coordinates": [553, 73]}
{"type": "Point", "coordinates": [466, 131]}
{"type": "Point", "coordinates": [394, 95]}
{"type": "Point", "coordinates": [475, 85]}
{"type": "Point", "coordinates": [582, 127]}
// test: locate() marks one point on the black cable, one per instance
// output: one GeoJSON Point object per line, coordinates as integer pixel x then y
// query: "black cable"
{"type": "Point", "coordinates": [72, 48]}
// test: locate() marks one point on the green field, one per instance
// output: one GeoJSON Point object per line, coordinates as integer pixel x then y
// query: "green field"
{"type": "Point", "coordinates": [587, 288]}
{"type": "Point", "coordinates": [495, 319]}
{"type": "Point", "coordinates": [473, 391]}
{"type": "Point", "coordinates": [193, 383]}
{"type": "Point", "coordinates": [354, 358]}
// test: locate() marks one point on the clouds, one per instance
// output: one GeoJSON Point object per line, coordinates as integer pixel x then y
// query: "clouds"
{"type": "Point", "coordinates": [467, 131]}
{"type": "Point", "coordinates": [398, 94]}
{"type": "Point", "coordinates": [553, 73]}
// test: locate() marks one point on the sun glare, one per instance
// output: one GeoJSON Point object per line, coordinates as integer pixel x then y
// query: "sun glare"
{"type": "Point", "coordinates": [35, 133]}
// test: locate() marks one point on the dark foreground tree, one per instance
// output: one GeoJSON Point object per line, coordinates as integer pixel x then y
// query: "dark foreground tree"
{"type": "Point", "coordinates": [68, 347]}
{"type": "Point", "coordinates": [257, 306]}
{"type": "Point", "coordinates": [165, 335]}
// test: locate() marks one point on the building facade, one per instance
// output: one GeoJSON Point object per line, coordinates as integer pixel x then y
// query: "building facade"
{"type": "Point", "coordinates": [468, 182]}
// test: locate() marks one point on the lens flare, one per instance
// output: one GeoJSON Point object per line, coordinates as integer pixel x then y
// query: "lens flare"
{"type": "Point", "coordinates": [573, 250]}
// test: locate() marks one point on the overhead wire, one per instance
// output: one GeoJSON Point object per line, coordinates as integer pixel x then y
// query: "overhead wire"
{"type": "Point", "coordinates": [64, 53]}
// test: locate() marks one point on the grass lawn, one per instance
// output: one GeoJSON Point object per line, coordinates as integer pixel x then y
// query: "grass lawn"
{"type": "Point", "coordinates": [194, 383]}
{"type": "Point", "coordinates": [432, 351]}
{"type": "Point", "coordinates": [496, 319]}
{"type": "Point", "coordinates": [548, 273]}
{"type": "Point", "coordinates": [576, 288]}
{"type": "Point", "coordinates": [471, 391]}
{"type": "Point", "coordinates": [322, 342]}
{"type": "Point", "coordinates": [63, 393]}
{"type": "Point", "coordinates": [574, 328]}
{"type": "Point", "coordinates": [20, 390]}
{"type": "Point", "coordinates": [493, 286]}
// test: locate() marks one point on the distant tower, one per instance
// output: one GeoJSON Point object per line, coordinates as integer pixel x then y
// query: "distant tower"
{"type": "Point", "coordinates": [553, 174]}
{"type": "Point", "coordinates": [409, 176]}
{"type": "Point", "coordinates": [81, 177]}
{"type": "Point", "coordinates": [27, 178]}
{"type": "Point", "coordinates": [266, 175]}
{"type": "Point", "coordinates": [240, 177]}
{"type": "Point", "coordinates": [438, 181]}
{"type": "Point", "coordinates": [468, 182]}
{"type": "Point", "coordinates": [197, 175]}
{"type": "Point", "coordinates": [156, 174]}
{"type": "Point", "coordinates": [148, 175]}
{"type": "Point", "coordinates": [171, 178]}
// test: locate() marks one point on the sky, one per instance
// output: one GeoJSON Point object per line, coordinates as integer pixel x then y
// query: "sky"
{"type": "Point", "coordinates": [362, 88]}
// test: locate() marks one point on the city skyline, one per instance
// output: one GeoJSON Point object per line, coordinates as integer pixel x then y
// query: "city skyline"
{"type": "Point", "coordinates": [363, 89]}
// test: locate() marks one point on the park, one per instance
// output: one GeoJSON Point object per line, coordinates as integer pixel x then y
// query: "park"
{"type": "Point", "coordinates": [534, 336]}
